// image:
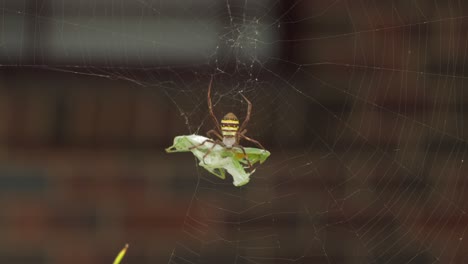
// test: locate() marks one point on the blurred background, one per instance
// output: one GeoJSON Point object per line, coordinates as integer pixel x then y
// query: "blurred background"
{"type": "Point", "coordinates": [361, 104]}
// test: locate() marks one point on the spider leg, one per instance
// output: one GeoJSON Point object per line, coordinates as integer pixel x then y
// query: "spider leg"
{"type": "Point", "coordinates": [249, 111]}
{"type": "Point", "coordinates": [201, 144]}
{"type": "Point", "coordinates": [245, 155]}
{"type": "Point", "coordinates": [210, 105]}
{"type": "Point", "coordinates": [242, 134]}
{"type": "Point", "coordinates": [214, 132]}
{"type": "Point", "coordinates": [210, 149]}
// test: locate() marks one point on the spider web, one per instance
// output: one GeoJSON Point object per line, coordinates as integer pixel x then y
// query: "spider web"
{"type": "Point", "coordinates": [361, 104]}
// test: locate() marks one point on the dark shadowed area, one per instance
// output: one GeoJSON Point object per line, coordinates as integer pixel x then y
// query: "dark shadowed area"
{"type": "Point", "coordinates": [361, 104]}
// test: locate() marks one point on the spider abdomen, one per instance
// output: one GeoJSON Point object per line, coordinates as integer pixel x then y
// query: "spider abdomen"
{"type": "Point", "coordinates": [229, 125]}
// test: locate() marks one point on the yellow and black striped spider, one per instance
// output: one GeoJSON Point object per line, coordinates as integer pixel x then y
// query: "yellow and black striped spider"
{"type": "Point", "coordinates": [228, 133]}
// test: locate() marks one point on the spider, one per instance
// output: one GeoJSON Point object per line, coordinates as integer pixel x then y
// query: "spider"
{"type": "Point", "coordinates": [228, 133]}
